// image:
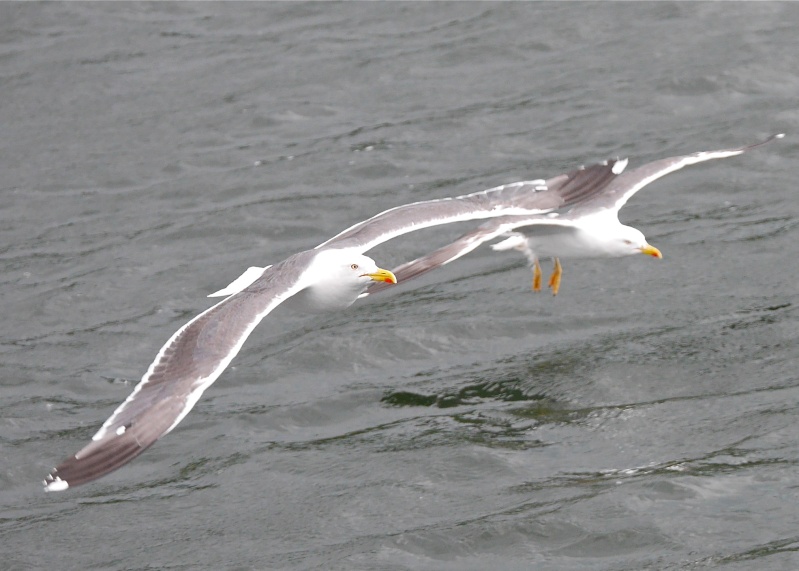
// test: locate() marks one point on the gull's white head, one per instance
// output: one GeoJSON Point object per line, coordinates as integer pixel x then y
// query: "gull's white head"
{"type": "Point", "coordinates": [337, 277]}
{"type": "Point", "coordinates": [352, 268]}
{"type": "Point", "coordinates": [627, 241]}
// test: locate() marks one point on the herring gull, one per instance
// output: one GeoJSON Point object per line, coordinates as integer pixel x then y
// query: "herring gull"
{"type": "Point", "coordinates": [326, 278]}
{"type": "Point", "coordinates": [590, 229]}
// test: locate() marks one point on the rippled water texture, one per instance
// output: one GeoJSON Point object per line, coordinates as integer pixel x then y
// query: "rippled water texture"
{"type": "Point", "coordinates": [644, 418]}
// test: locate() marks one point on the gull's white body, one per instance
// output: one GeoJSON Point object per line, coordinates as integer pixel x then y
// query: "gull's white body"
{"type": "Point", "coordinates": [600, 240]}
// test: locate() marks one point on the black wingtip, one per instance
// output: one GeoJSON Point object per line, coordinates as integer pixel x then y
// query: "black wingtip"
{"type": "Point", "coordinates": [583, 183]}
{"type": "Point", "coordinates": [100, 458]}
{"type": "Point", "coordinates": [75, 470]}
{"type": "Point", "coordinates": [764, 141]}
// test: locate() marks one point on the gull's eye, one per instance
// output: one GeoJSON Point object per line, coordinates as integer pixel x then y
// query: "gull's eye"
{"type": "Point", "coordinates": [354, 266]}
{"type": "Point", "coordinates": [628, 242]}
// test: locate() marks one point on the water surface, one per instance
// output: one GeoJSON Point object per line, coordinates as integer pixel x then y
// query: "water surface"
{"type": "Point", "coordinates": [644, 418]}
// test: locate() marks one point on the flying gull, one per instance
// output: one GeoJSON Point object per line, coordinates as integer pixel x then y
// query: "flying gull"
{"type": "Point", "coordinates": [590, 229]}
{"type": "Point", "coordinates": [326, 278]}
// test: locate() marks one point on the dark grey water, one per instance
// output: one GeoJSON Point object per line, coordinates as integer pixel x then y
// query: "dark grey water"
{"type": "Point", "coordinates": [646, 418]}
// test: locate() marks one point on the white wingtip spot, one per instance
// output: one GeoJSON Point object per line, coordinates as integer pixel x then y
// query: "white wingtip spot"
{"type": "Point", "coordinates": [619, 166]}
{"type": "Point", "coordinates": [57, 485]}
{"type": "Point", "coordinates": [779, 135]}
{"type": "Point", "coordinates": [121, 430]}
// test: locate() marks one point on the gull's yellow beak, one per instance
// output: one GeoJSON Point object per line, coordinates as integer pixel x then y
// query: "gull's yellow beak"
{"type": "Point", "coordinates": [383, 276]}
{"type": "Point", "coordinates": [651, 251]}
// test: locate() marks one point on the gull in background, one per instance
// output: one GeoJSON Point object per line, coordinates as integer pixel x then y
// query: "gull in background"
{"type": "Point", "coordinates": [591, 229]}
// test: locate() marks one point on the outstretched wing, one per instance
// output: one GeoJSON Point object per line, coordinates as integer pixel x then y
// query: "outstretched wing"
{"type": "Point", "coordinates": [470, 241]}
{"type": "Point", "coordinates": [518, 198]}
{"type": "Point", "coordinates": [186, 365]}
{"type": "Point", "coordinates": [616, 195]}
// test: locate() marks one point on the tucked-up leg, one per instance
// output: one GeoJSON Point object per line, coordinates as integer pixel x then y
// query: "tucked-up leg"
{"type": "Point", "coordinates": [554, 279]}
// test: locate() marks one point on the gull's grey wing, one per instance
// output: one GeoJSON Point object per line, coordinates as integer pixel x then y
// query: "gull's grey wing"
{"type": "Point", "coordinates": [186, 365]}
{"type": "Point", "coordinates": [437, 258]}
{"type": "Point", "coordinates": [518, 198]}
{"type": "Point", "coordinates": [574, 186]}
{"type": "Point", "coordinates": [616, 195]}
{"type": "Point", "coordinates": [470, 241]}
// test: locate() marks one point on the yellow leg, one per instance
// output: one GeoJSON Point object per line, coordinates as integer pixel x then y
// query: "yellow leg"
{"type": "Point", "coordinates": [536, 276]}
{"type": "Point", "coordinates": [554, 279]}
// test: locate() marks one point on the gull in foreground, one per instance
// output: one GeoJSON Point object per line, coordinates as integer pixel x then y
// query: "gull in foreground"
{"type": "Point", "coordinates": [590, 229]}
{"type": "Point", "coordinates": [327, 278]}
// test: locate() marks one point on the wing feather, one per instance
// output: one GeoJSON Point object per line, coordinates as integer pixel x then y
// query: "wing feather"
{"type": "Point", "coordinates": [186, 365]}
{"type": "Point", "coordinates": [518, 198]}
{"type": "Point", "coordinates": [627, 184]}
{"type": "Point", "coordinates": [465, 244]}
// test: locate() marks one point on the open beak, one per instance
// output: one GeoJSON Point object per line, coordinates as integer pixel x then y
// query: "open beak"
{"type": "Point", "coordinates": [651, 251]}
{"type": "Point", "coordinates": [383, 276]}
